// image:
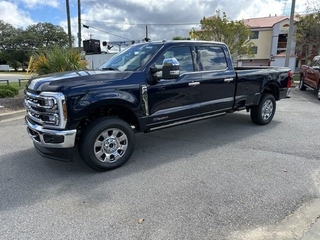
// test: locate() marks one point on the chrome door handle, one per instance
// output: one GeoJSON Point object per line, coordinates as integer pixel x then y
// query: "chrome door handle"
{"type": "Point", "coordinates": [228, 79]}
{"type": "Point", "coordinates": [194, 84]}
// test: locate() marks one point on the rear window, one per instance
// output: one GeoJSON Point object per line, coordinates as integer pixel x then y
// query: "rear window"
{"type": "Point", "coordinates": [212, 58]}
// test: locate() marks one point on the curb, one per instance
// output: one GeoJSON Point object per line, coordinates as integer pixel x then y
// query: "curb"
{"type": "Point", "coordinates": [12, 115]}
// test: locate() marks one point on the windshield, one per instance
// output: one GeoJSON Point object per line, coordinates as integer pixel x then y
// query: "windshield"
{"type": "Point", "coordinates": [132, 58]}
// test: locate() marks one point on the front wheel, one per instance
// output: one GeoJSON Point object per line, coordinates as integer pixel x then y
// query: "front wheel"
{"type": "Point", "coordinates": [263, 113]}
{"type": "Point", "coordinates": [318, 92]}
{"type": "Point", "coordinates": [302, 87]}
{"type": "Point", "coordinates": [107, 143]}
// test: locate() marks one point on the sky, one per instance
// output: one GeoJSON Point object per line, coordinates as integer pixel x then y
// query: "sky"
{"type": "Point", "coordinates": [126, 20]}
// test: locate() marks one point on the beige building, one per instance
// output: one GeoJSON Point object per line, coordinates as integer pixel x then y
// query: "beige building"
{"type": "Point", "coordinates": [269, 35]}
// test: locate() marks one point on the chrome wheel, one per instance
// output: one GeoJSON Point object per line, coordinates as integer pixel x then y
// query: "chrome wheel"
{"type": "Point", "coordinates": [267, 110]}
{"type": "Point", "coordinates": [302, 87]}
{"type": "Point", "coordinates": [110, 145]}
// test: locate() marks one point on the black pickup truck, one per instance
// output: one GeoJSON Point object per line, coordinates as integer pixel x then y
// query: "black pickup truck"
{"type": "Point", "coordinates": [146, 87]}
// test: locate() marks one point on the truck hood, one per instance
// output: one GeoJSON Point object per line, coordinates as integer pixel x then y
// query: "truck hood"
{"type": "Point", "coordinates": [57, 81]}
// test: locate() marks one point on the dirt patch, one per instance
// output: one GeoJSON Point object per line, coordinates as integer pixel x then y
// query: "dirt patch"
{"type": "Point", "coordinates": [11, 104]}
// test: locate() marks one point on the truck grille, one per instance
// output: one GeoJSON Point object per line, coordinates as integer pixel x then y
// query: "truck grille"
{"type": "Point", "coordinates": [47, 109]}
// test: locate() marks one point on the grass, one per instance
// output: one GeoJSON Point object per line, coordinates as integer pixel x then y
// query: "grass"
{"type": "Point", "coordinates": [15, 85]}
{"type": "Point", "coordinates": [296, 78]}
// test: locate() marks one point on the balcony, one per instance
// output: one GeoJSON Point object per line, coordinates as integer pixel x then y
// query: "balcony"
{"type": "Point", "coordinates": [282, 45]}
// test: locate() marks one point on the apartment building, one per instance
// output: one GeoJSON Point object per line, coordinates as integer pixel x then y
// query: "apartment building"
{"type": "Point", "coordinates": [269, 35]}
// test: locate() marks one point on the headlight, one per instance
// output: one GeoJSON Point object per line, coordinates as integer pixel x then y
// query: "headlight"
{"type": "Point", "coordinates": [50, 102]}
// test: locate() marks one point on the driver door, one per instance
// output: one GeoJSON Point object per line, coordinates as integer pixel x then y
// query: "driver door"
{"type": "Point", "coordinates": [175, 99]}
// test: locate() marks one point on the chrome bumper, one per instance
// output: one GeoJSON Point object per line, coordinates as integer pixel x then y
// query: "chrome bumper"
{"type": "Point", "coordinates": [51, 138]}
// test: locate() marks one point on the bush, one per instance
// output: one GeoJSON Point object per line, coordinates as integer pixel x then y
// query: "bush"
{"type": "Point", "coordinates": [57, 59]}
{"type": "Point", "coordinates": [8, 91]}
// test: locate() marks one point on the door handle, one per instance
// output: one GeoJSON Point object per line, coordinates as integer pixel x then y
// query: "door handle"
{"type": "Point", "coordinates": [228, 79]}
{"type": "Point", "coordinates": [194, 84]}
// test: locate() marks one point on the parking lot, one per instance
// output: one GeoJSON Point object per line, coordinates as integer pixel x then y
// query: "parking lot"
{"type": "Point", "coordinates": [222, 178]}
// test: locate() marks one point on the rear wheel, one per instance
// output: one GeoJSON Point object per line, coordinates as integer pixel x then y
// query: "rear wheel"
{"type": "Point", "coordinates": [318, 92]}
{"type": "Point", "coordinates": [263, 113]}
{"type": "Point", "coordinates": [302, 87]}
{"type": "Point", "coordinates": [107, 143]}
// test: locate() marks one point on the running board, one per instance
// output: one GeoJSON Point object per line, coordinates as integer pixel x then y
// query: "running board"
{"type": "Point", "coordinates": [185, 122]}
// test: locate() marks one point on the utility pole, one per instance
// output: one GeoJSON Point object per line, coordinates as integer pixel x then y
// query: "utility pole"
{"type": "Point", "coordinates": [79, 26]}
{"type": "Point", "coordinates": [289, 39]}
{"type": "Point", "coordinates": [69, 24]}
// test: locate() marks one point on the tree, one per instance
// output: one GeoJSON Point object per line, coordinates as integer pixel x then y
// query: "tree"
{"type": "Point", "coordinates": [45, 35]}
{"type": "Point", "coordinates": [17, 45]}
{"type": "Point", "coordinates": [233, 33]}
{"type": "Point", "coordinates": [180, 38]}
{"type": "Point", "coordinates": [307, 36]}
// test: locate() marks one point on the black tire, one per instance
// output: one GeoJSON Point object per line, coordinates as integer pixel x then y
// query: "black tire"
{"type": "Point", "coordinates": [263, 113]}
{"type": "Point", "coordinates": [318, 92]}
{"type": "Point", "coordinates": [302, 87]}
{"type": "Point", "coordinates": [107, 143]}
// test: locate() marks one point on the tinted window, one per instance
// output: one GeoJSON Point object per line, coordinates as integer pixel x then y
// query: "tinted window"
{"type": "Point", "coordinates": [254, 35]}
{"type": "Point", "coordinates": [254, 50]}
{"type": "Point", "coordinates": [212, 58]}
{"type": "Point", "coordinates": [182, 54]}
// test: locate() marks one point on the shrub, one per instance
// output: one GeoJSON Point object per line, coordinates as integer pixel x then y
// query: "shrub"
{"type": "Point", "coordinates": [57, 59]}
{"type": "Point", "coordinates": [8, 91]}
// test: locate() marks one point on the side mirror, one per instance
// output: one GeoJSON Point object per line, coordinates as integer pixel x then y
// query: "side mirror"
{"type": "Point", "coordinates": [316, 68]}
{"type": "Point", "coordinates": [170, 68]}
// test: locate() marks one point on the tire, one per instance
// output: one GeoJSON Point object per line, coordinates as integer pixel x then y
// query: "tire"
{"type": "Point", "coordinates": [318, 92]}
{"type": "Point", "coordinates": [302, 87]}
{"type": "Point", "coordinates": [263, 113]}
{"type": "Point", "coordinates": [107, 143]}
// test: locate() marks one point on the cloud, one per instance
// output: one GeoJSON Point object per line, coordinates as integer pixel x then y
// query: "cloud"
{"type": "Point", "coordinates": [40, 3]}
{"type": "Point", "coordinates": [165, 19]}
{"type": "Point", "coordinates": [10, 13]}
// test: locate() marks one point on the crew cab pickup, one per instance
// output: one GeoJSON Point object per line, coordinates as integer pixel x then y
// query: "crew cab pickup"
{"type": "Point", "coordinates": [310, 76]}
{"type": "Point", "coordinates": [147, 87]}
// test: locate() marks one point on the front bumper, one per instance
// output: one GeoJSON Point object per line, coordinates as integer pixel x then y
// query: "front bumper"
{"type": "Point", "coordinates": [54, 144]}
{"type": "Point", "coordinates": [47, 138]}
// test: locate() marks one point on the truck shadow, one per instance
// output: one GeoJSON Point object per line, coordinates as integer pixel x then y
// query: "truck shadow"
{"type": "Point", "coordinates": [28, 178]}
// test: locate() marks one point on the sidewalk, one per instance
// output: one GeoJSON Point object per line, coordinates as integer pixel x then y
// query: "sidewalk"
{"type": "Point", "coordinates": [6, 117]}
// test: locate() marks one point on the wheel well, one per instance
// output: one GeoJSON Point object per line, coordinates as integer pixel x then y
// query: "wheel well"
{"type": "Point", "coordinates": [272, 89]}
{"type": "Point", "coordinates": [122, 112]}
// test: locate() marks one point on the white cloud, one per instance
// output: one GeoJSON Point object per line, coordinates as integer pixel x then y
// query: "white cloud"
{"type": "Point", "coordinates": [10, 13]}
{"type": "Point", "coordinates": [102, 13]}
{"type": "Point", "coordinates": [126, 19]}
{"type": "Point", "coordinates": [40, 3]}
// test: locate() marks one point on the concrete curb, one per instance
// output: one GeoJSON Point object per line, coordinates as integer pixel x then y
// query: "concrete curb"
{"type": "Point", "coordinates": [12, 116]}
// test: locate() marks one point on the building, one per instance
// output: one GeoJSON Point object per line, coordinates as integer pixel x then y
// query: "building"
{"type": "Point", "coordinates": [269, 35]}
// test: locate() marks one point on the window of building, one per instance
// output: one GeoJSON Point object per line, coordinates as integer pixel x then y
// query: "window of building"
{"type": "Point", "coordinates": [254, 50]}
{"type": "Point", "coordinates": [212, 58]}
{"type": "Point", "coordinates": [254, 35]}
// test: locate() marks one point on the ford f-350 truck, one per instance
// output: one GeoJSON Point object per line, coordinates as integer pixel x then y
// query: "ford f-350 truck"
{"type": "Point", "coordinates": [146, 87]}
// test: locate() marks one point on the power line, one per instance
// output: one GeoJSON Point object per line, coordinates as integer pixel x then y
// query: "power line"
{"type": "Point", "coordinates": [142, 24]}
{"type": "Point", "coordinates": [86, 26]}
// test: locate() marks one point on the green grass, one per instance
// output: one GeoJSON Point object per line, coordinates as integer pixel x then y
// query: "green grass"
{"type": "Point", "coordinates": [296, 78]}
{"type": "Point", "coordinates": [15, 85]}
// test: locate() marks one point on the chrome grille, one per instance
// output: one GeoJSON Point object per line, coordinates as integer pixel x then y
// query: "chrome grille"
{"type": "Point", "coordinates": [47, 109]}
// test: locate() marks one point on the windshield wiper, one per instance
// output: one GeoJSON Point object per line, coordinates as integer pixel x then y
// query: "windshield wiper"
{"type": "Point", "coordinates": [110, 68]}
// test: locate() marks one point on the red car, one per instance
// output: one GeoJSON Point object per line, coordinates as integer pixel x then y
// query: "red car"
{"type": "Point", "coordinates": [310, 76]}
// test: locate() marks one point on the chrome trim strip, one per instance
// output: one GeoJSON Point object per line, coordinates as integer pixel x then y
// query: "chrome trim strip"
{"type": "Point", "coordinates": [187, 121]}
{"type": "Point", "coordinates": [69, 136]}
{"type": "Point", "coordinates": [59, 108]}
{"type": "Point", "coordinates": [144, 93]}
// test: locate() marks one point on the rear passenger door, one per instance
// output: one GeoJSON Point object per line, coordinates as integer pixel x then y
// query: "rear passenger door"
{"type": "Point", "coordinates": [218, 79]}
